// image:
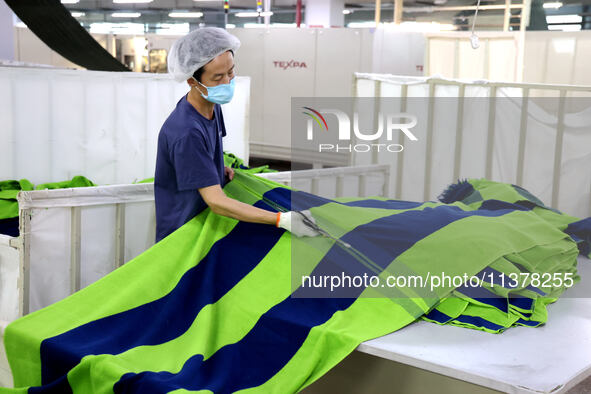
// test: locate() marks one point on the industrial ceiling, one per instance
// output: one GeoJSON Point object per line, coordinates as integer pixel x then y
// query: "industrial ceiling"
{"type": "Point", "coordinates": [157, 12]}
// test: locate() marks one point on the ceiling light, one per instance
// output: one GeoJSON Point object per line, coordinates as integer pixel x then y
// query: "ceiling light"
{"type": "Point", "coordinates": [564, 28]}
{"type": "Point", "coordinates": [78, 14]}
{"type": "Point", "coordinates": [126, 14]}
{"type": "Point", "coordinates": [555, 4]}
{"type": "Point", "coordinates": [172, 28]}
{"type": "Point", "coordinates": [347, 12]}
{"type": "Point", "coordinates": [70, 1]}
{"type": "Point", "coordinates": [228, 25]}
{"type": "Point", "coordinates": [408, 26]}
{"type": "Point", "coordinates": [247, 14]}
{"type": "Point", "coordinates": [253, 14]}
{"type": "Point", "coordinates": [572, 18]}
{"type": "Point", "coordinates": [185, 14]}
{"type": "Point", "coordinates": [118, 28]}
{"type": "Point", "coordinates": [131, 1]}
{"type": "Point", "coordinates": [285, 25]}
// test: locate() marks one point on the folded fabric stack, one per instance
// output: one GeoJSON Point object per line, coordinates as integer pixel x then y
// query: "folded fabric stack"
{"type": "Point", "coordinates": [511, 291]}
{"type": "Point", "coordinates": [233, 161]}
{"type": "Point", "coordinates": [9, 205]}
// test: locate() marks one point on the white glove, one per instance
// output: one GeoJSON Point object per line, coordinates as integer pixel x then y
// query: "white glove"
{"type": "Point", "coordinates": [294, 223]}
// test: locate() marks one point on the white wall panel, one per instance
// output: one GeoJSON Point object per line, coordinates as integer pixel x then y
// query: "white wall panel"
{"type": "Point", "coordinates": [536, 48]}
{"type": "Point", "coordinates": [580, 73]}
{"type": "Point", "coordinates": [450, 55]}
{"type": "Point", "coordinates": [30, 49]}
{"type": "Point", "coordinates": [442, 55]}
{"type": "Point", "coordinates": [331, 57]}
{"type": "Point", "coordinates": [103, 125]}
{"type": "Point", "coordinates": [398, 52]}
{"type": "Point", "coordinates": [472, 63]}
{"type": "Point", "coordinates": [548, 57]}
{"type": "Point", "coordinates": [502, 60]}
{"type": "Point", "coordinates": [283, 82]}
{"type": "Point", "coordinates": [250, 61]}
{"type": "Point", "coordinates": [335, 62]}
{"type": "Point", "coordinates": [560, 59]}
{"type": "Point", "coordinates": [7, 130]}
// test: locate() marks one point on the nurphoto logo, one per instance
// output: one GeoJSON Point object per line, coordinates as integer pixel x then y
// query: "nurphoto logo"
{"type": "Point", "coordinates": [394, 124]}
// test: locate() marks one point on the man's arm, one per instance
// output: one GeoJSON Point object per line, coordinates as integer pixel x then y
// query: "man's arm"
{"type": "Point", "coordinates": [223, 205]}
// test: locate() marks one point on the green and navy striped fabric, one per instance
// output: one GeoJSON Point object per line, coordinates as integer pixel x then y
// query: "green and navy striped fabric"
{"type": "Point", "coordinates": [213, 306]}
{"type": "Point", "coordinates": [503, 302]}
{"type": "Point", "coordinates": [9, 204]}
{"type": "Point", "coordinates": [233, 161]}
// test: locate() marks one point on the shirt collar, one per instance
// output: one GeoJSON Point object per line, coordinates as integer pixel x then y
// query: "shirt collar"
{"type": "Point", "coordinates": [193, 111]}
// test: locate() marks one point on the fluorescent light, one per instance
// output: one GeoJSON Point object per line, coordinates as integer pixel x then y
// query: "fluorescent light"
{"type": "Point", "coordinates": [347, 12]}
{"type": "Point", "coordinates": [408, 26]}
{"type": "Point", "coordinates": [247, 14]}
{"type": "Point", "coordinates": [119, 28]}
{"type": "Point", "coordinates": [70, 1]}
{"type": "Point", "coordinates": [131, 1]}
{"type": "Point", "coordinates": [573, 18]}
{"type": "Point", "coordinates": [126, 14]}
{"type": "Point", "coordinates": [228, 25]}
{"type": "Point", "coordinates": [564, 28]}
{"type": "Point", "coordinates": [554, 4]}
{"type": "Point", "coordinates": [185, 14]}
{"type": "Point", "coordinates": [172, 28]}
{"type": "Point", "coordinates": [253, 14]}
{"type": "Point", "coordinates": [77, 14]}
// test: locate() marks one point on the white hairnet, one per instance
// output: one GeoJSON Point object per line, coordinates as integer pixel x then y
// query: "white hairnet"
{"type": "Point", "coordinates": [196, 49]}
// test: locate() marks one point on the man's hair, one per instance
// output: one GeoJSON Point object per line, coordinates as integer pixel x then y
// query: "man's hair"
{"type": "Point", "coordinates": [197, 74]}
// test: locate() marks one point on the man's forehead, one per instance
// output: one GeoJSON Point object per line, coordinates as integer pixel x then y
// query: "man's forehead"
{"type": "Point", "coordinates": [221, 64]}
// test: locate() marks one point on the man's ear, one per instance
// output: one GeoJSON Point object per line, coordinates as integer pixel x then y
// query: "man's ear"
{"type": "Point", "coordinates": [191, 82]}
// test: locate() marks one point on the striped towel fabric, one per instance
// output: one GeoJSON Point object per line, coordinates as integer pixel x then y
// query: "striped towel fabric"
{"type": "Point", "coordinates": [220, 305]}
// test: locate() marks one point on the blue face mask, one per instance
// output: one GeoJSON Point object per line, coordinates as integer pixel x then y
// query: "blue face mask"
{"type": "Point", "coordinates": [220, 94]}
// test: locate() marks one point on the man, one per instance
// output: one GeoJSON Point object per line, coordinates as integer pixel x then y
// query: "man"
{"type": "Point", "coordinates": [190, 171]}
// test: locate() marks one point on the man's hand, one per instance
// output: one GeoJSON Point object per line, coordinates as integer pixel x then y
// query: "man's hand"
{"type": "Point", "coordinates": [295, 223]}
{"type": "Point", "coordinates": [229, 172]}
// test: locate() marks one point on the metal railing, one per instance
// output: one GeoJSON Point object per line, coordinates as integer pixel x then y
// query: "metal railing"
{"type": "Point", "coordinates": [76, 199]}
{"type": "Point", "coordinates": [338, 174]}
{"type": "Point", "coordinates": [494, 87]}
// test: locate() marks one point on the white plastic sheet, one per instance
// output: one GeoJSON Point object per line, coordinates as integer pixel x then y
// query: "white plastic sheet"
{"type": "Point", "coordinates": [55, 124]}
{"type": "Point", "coordinates": [574, 186]}
{"type": "Point", "coordinates": [50, 235]}
{"type": "Point", "coordinates": [9, 274]}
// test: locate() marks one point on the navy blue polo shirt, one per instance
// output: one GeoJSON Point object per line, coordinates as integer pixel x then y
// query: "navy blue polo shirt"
{"type": "Point", "coordinates": [189, 156]}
